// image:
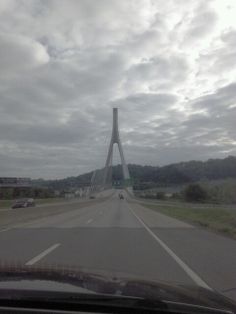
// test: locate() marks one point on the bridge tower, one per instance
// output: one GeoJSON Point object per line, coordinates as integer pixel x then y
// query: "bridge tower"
{"type": "Point", "coordinates": [115, 139]}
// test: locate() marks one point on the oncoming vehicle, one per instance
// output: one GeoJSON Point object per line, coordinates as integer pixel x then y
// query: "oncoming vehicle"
{"type": "Point", "coordinates": [24, 202]}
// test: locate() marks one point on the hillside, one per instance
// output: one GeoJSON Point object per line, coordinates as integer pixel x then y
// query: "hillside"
{"type": "Point", "coordinates": [184, 172]}
{"type": "Point", "coordinates": [149, 176]}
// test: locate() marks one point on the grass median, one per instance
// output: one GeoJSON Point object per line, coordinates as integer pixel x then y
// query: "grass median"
{"type": "Point", "coordinates": [218, 219]}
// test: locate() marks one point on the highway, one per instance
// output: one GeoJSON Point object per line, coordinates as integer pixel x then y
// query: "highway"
{"type": "Point", "coordinates": [121, 236]}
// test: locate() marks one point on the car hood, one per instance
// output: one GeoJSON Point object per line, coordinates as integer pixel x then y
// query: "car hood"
{"type": "Point", "coordinates": [100, 282]}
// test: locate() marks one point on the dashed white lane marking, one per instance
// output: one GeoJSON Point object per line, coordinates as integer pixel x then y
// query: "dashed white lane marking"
{"type": "Point", "coordinates": [42, 255]}
{"type": "Point", "coordinates": [184, 266]}
{"type": "Point", "coordinates": [4, 230]}
{"type": "Point", "coordinates": [88, 222]}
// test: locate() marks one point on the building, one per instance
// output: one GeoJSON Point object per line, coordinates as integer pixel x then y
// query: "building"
{"type": "Point", "coordinates": [14, 187]}
{"type": "Point", "coordinates": [14, 182]}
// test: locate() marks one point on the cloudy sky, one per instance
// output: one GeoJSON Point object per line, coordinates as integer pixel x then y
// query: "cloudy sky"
{"type": "Point", "coordinates": [168, 65]}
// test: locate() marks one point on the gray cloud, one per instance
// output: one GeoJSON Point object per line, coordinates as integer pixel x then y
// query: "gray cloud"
{"type": "Point", "coordinates": [219, 101]}
{"type": "Point", "coordinates": [201, 24]}
{"type": "Point", "coordinates": [151, 72]}
{"type": "Point", "coordinates": [222, 58]}
{"type": "Point", "coordinates": [65, 64]}
{"type": "Point", "coordinates": [19, 53]}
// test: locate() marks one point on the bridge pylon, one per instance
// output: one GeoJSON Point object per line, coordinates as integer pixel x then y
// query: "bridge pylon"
{"type": "Point", "coordinates": [115, 139]}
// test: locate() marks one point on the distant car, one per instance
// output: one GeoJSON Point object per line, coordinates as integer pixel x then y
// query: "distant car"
{"type": "Point", "coordinates": [121, 196]}
{"type": "Point", "coordinates": [92, 197]}
{"type": "Point", "coordinates": [24, 202]}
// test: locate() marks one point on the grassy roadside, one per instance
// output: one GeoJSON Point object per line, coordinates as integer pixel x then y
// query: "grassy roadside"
{"type": "Point", "coordinates": [8, 203]}
{"type": "Point", "coordinates": [217, 219]}
{"type": "Point", "coordinates": [5, 203]}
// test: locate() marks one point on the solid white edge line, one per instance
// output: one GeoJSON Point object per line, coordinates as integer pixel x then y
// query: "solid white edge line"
{"type": "Point", "coordinates": [184, 266]}
{"type": "Point", "coordinates": [42, 255]}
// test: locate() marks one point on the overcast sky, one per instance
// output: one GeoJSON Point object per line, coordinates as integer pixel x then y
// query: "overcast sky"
{"type": "Point", "coordinates": [168, 65]}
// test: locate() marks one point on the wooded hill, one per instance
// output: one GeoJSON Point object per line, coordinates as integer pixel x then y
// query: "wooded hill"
{"type": "Point", "coordinates": [148, 176]}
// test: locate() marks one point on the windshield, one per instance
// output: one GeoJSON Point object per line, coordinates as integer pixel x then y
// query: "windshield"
{"type": "Point", "coordinates": [117, 139]}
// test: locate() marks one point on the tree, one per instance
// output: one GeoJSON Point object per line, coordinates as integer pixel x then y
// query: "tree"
{"type": "Point", "coordinates": [195, 193]}
{"type": "Point", "coordinates": [160, 195]}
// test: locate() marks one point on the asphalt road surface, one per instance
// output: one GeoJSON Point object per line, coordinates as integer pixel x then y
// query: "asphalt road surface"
{"type": "Point", "coordinates": [119, 235]}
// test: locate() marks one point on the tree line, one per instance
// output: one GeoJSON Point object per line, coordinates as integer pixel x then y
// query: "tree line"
{"type": "Point", "coordinates": [34, 192]}
{"type": "Point", "coordinates": [145, 177]}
